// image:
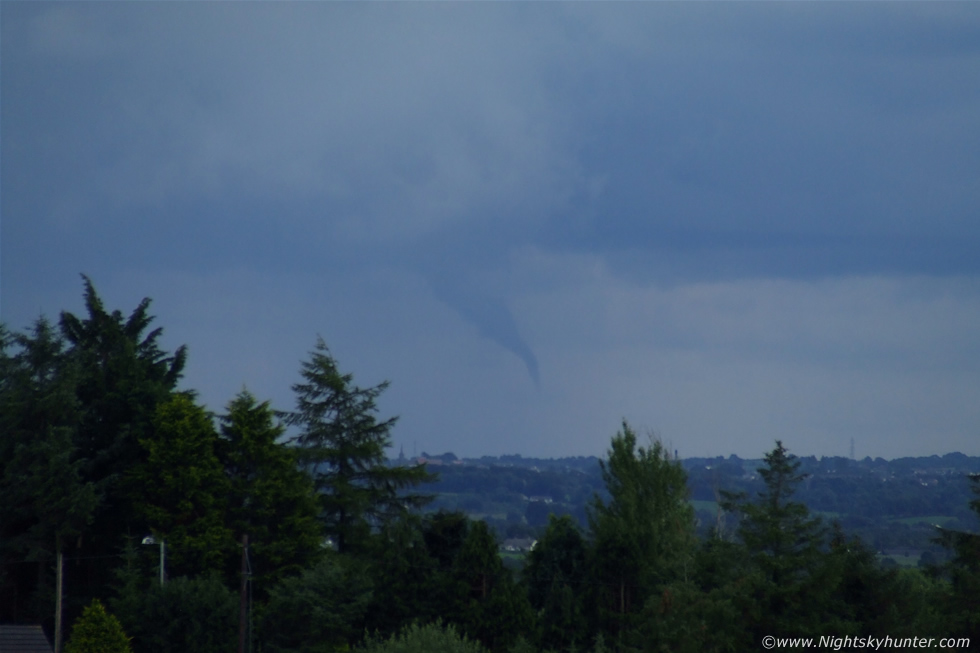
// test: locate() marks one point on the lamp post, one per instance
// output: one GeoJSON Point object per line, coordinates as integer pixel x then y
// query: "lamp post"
{"type": "Point", "coordinates": [149, 539]}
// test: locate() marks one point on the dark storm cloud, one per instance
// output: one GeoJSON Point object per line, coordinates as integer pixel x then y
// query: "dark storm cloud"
{"type": "Point", "coordinates": [596, 159]}
{"type": "Point", "coordinates": [703, 131]}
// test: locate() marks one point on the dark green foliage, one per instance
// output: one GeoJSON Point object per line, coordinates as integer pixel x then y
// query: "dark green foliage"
{"type": "Point", "coordinates": [963, 571]}
{"type": "Point", "coordinates": [783, 543]}
{"type": "Point", "coordinates": [343, 443]}
{"type": "Point", "coordinates": [775, 526]}
{"type": "Point", "coordinates": [270, 499]}
{"type": "Point", "coordinates": [444, 534]}
{"type": "Point", "coordinates": [97, 631]}
{"type": "Point", "coordinates": [122, 376]}
{"type": "Point", "coordinates": [684, 617]}
{"type": "Point", "coordinates": [182, 488]}
{"type": "Point", "coordinates": [494, 608]}
{"type": "Point", "coordinates": [321, 610]}
{"type": "Point", "coordinates": [414, 584]}
{"type": "Point", "coordinates": [44, 500]}
{"type": "Point", "coordinates": [186, 615]}
{"type": "Point", "coordinates": [97, 447]}
{"type": "Point", "coordinates": [433, 638]}
{"type": "Point", "coordinates": [554, 574]}
{"type": "Point", "coordinates": [643, 537]}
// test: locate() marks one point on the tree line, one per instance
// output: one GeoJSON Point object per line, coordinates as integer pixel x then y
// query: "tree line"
{"type": "Point", "coordinates": [100, 448]}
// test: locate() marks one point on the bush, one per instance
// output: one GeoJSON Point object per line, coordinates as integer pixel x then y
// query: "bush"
{"type": "Point", "coordinates": [97, 631]}
{"type": "Point", "coordinates": [187, 615]}
{"type": "Point", "coordinates": [320, 611]}
{"type": "Point", "coordinates": [433, 638]}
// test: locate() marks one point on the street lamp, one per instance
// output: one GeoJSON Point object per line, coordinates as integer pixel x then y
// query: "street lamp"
{"type": "Point", "coordinates": [149, 539]}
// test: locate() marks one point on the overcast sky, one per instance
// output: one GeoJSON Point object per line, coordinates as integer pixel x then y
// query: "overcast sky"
{"type": "Point", "coordinates": [725, 223]}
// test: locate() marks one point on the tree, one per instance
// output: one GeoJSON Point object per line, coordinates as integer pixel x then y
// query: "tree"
{"type": "Point", "coordinates": [183, 489]}
{"type": "Point", "coordinates": [444, 534]}
{"type": "Point", "coordinates": [554, 575]}
{"type": "Point", "coordinates": [320, 611]}
{"type": "Point", "coordinates": [343, 444]}
{"type": "Point", "coordinates": [44, 500]}
{"type": "Point", "coordinates": [494, 609]}
{"type": "Point", "coordinates": [186, 615]}
{"type": "Point", "coordinates": [122, 376]}
{"type": "Point", "coordinates": [783, 543]}
{"type": "Point", "coordinates": [270, 499]}
{"type": "Point", "coordinates": [97, 631]}
{"type": "Point", "coordinates": [643, 538]}
{"type": "Point", "coordinates": [963, 570]}
{"type": "Point", "coordinates": [410, 576]}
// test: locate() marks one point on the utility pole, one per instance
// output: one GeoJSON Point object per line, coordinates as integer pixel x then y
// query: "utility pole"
{"type": "Point", "coordinates": [59, 591]}
{"type": "Point", "coordinates": [243, 601]}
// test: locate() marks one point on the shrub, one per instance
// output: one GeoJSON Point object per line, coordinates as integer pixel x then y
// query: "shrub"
{"type": "Point", "coordinates": [433, 638]}
{"type": "Point", "coordinates": [97, 631]}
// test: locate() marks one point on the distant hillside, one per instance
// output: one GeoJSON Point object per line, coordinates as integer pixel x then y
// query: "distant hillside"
{"type": "Point", "coordinates": [893, 505]}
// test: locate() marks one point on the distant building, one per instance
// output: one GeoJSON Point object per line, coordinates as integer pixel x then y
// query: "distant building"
{"type": "Point", "coordinates": [518, 544]}
{"type": "Point", "coordinates": [23, 639]}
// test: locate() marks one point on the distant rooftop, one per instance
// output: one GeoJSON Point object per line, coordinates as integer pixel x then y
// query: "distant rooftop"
{"type": "Point", "coordinates": [23, 639]}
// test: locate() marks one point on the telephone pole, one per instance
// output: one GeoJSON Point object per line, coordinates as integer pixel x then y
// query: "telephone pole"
{"type": "Point", "coordinates": [243, 599]}
{"type": "Point", "coordinates": [59, 592]}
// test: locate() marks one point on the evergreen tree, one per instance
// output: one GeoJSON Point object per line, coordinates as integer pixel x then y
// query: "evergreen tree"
{"type": "Point", "coordinates": [444, 534]}
{"type": "Point", "coordinates": [270, 499]}
{"type": "Point", "coordinates": [122, 376]}
{"type": "Point", "coordinates": [320, 611]}
{"type": "Point", "coordinates": [97, 631]}
{"type": "Point", "coordinates": [963, 570]}
{"type": "Point", "coordinates": [410, 577]}
{"type": "Point", "coordinates": [494, 609]}
{"type": "Point", "coordinates": [784, 544]}
{"type": "Point", "coordinates": [44, 501]}
{"type": "Point", "coordinates": [554, 575]}
{"type": "Point", "coordinates": [343, 443]}
{"type": "Point", "coordinates": [643, 538]}
{"type": "Point", "coordinates": [182, 488]}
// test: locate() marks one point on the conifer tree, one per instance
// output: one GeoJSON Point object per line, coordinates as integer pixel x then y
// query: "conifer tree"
{"type": "Point", "coordinates": [494, 608]}
{"type": "Point", "coordinates": [784, 545]}
{"type": "Point", "coordinates": [343, 444]}
{"type": "Point", "coordinates": [643, 538]}
{"type": "Point", "coordinates": [554, 575]}
{"type": "Point", "coordinates": [44, 500]}
{"type": "Point", "coordinates": [409, 575]}
{"type": "Point", "coordinates": [320, 611]}
{"type": "Point", "coordinates": [122, 376]}
{"type": "Point", "coordinates": [270, 499]}
{"type": "Point", "coordinates": [183, 489]}
{"type": "Point", "coordinates": [963, 570]}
